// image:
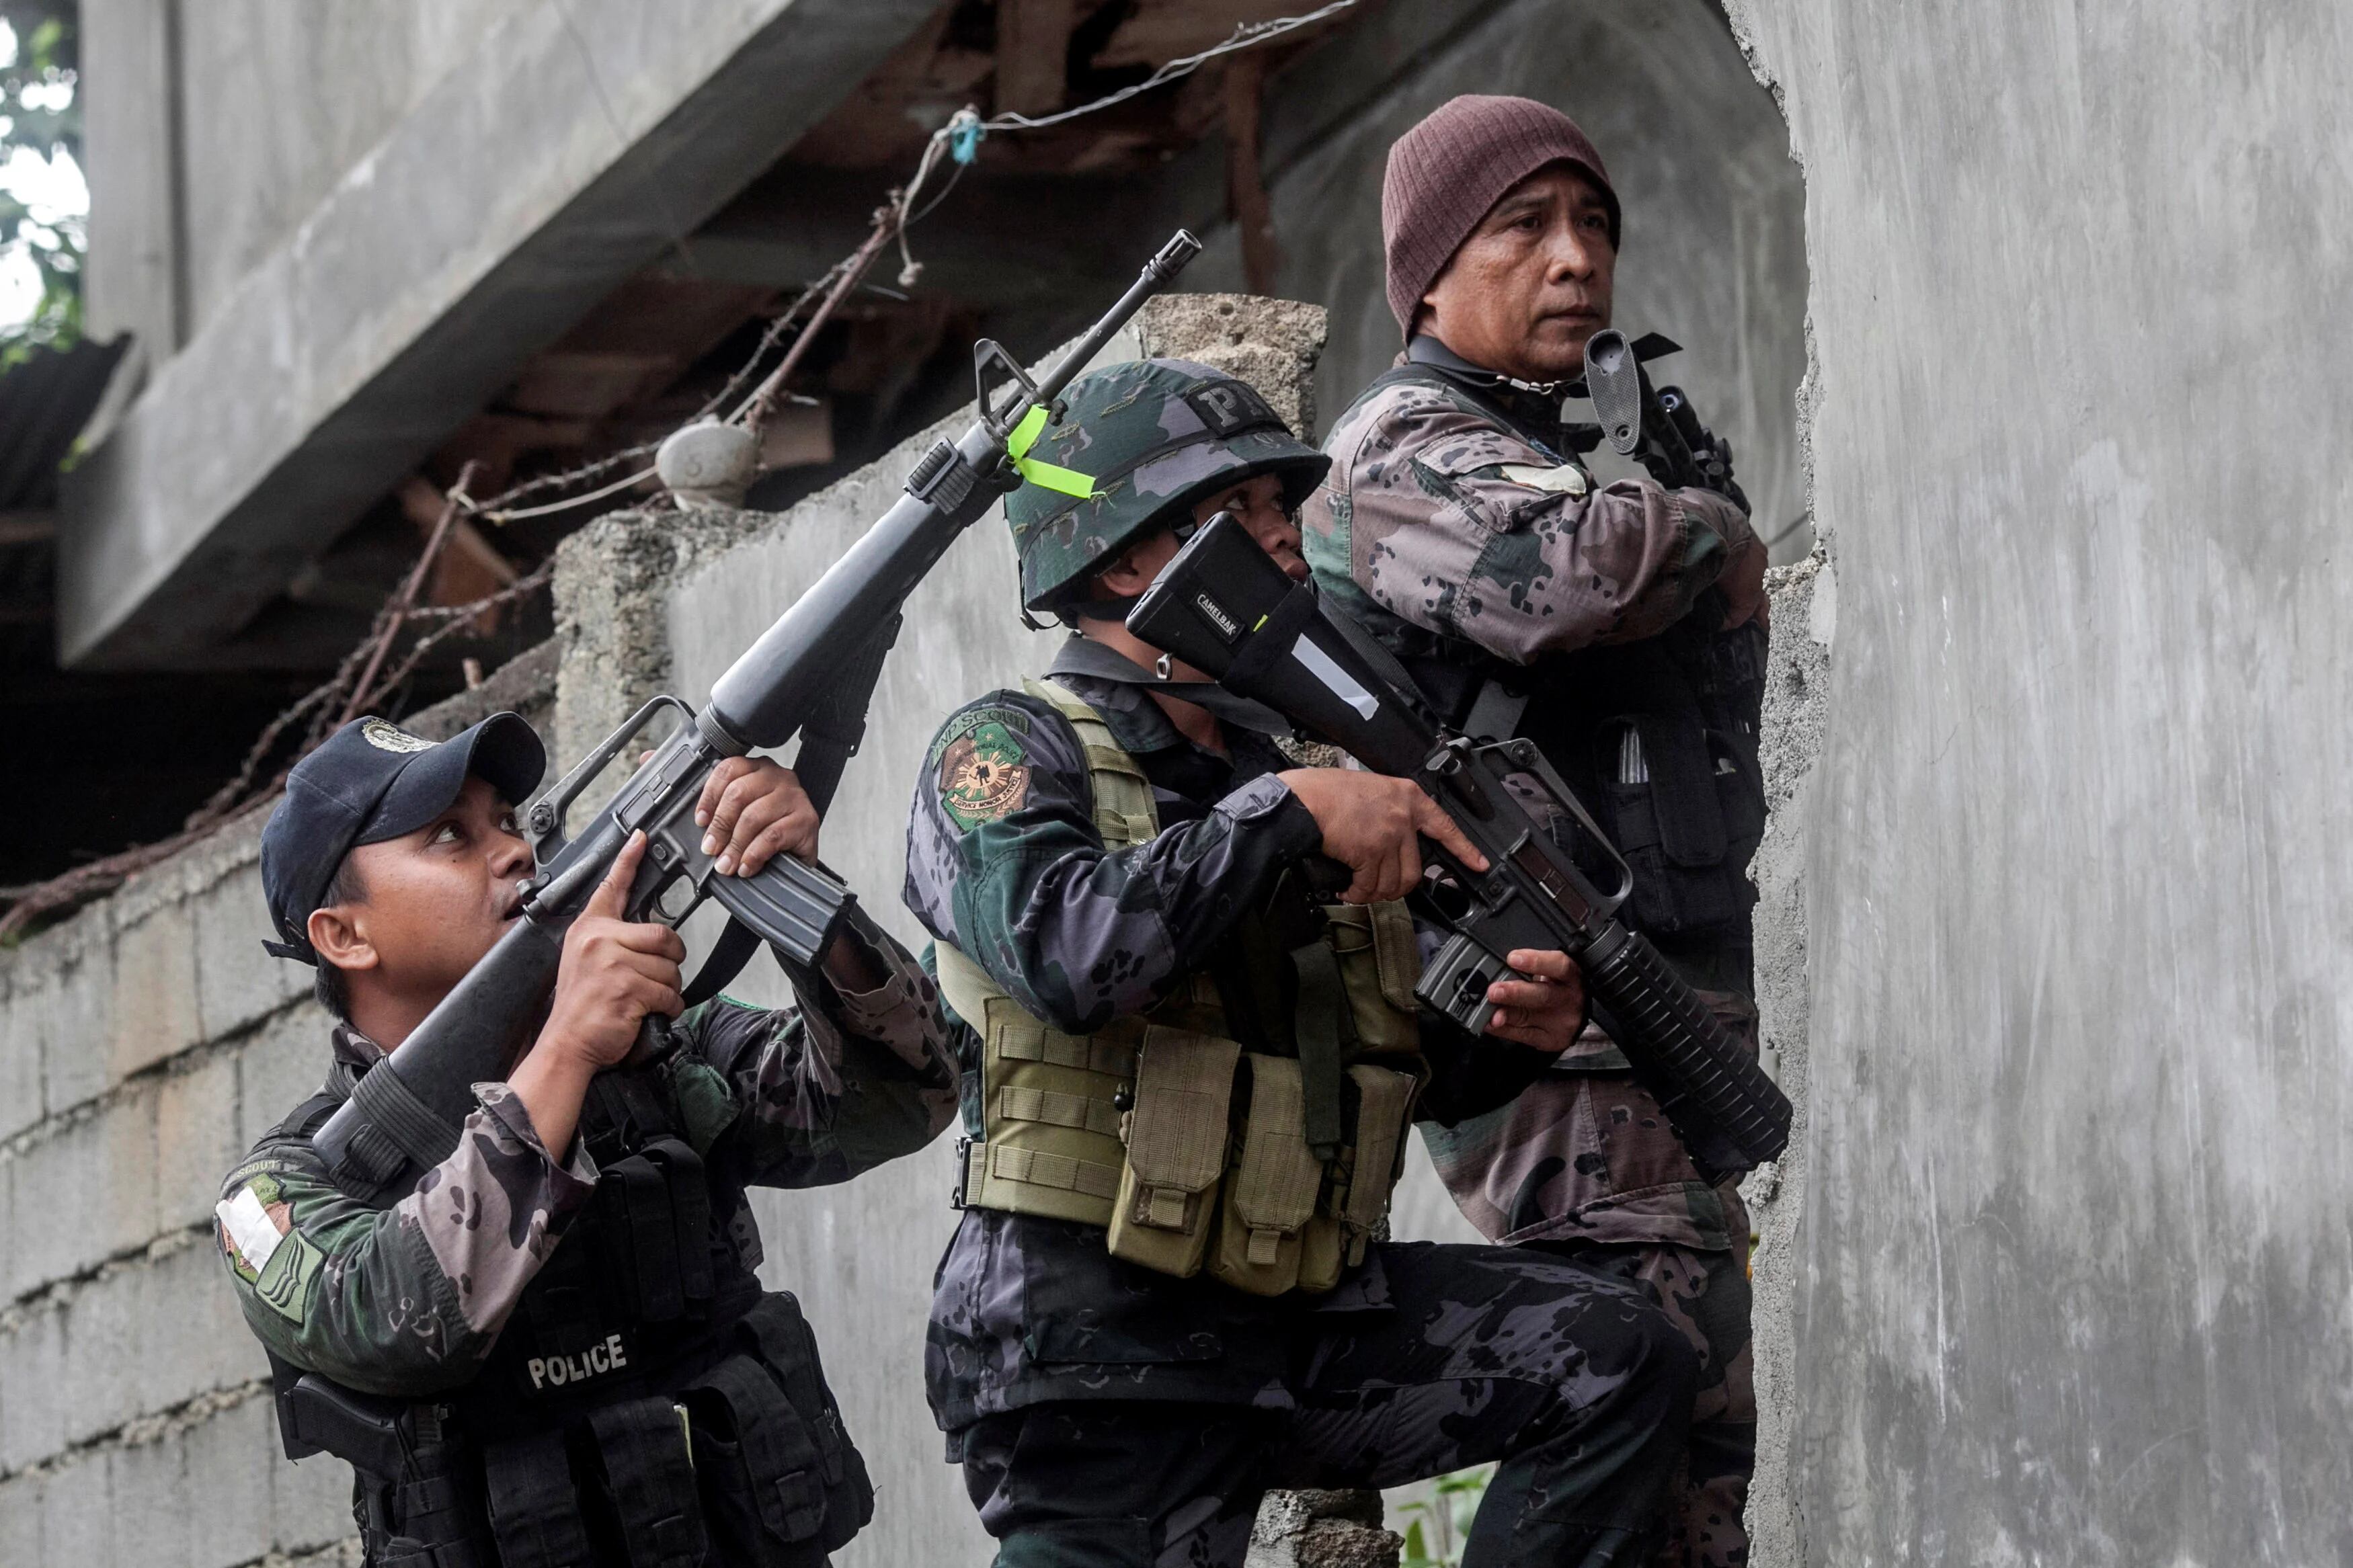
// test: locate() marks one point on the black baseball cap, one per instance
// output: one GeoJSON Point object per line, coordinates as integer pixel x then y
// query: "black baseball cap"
{"type": "Point", "coordinates": [374, 780]}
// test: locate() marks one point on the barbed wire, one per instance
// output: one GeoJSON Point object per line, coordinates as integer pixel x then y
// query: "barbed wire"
{"type": "Point", "coordinates": [361, 678]}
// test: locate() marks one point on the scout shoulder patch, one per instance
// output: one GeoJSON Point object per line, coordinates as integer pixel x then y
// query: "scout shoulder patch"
{"type": "Point", "coordinates": [962, 724]}
{"type": "Point", "coordinates": [983, 775]}
{"type": "Point", "coordinates": [257, 1234]}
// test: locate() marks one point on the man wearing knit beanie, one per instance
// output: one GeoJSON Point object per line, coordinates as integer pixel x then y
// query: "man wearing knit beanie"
{"type": "Point", "coordinates": [1620, 627]}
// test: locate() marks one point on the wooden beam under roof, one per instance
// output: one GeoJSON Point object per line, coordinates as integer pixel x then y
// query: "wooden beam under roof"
{"type": "Point", "coordinates": [1033, 47]}
{"type": "Point", "coordinates": [28, 527]}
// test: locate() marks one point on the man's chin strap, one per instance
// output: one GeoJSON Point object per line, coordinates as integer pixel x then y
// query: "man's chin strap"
{"type": "Point", "coordinates": [1535, 404]}
{"type": "Point", "coordinates": [1426, 349]}
{"type": "Point", "coordinates": [1081, 654]}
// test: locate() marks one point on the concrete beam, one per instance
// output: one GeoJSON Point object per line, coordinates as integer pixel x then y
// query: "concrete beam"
{"type": "Point", "coordinates": [579, 141]}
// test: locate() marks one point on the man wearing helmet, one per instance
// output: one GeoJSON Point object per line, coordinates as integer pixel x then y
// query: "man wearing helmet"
{"type": "Point", "coordinates": [1186, 1076]}
{"type": "Point", "coordinates": [1619, 627]}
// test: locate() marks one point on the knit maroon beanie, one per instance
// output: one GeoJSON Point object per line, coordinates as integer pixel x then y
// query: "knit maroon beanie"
{"type": "Point", "coordinates": [1446, 172]}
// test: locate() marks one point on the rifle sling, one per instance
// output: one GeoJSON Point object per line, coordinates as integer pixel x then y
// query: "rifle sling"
{"type": "Point", "coordinates": [729, 954]}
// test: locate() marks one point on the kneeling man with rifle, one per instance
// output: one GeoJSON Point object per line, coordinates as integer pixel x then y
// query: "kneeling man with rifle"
{"type": "Point", "coordinates": [1193, 1050]}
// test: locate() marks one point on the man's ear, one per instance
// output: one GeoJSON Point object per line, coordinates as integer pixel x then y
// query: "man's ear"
{"type": "Point", "coordinates": [1121, 580]}
{"type": "Point", "coordinates": [338, 934]}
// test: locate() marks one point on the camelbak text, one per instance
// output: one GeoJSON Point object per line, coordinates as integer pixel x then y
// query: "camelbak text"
{"type": "Point", "coordinates": [1218, 617]}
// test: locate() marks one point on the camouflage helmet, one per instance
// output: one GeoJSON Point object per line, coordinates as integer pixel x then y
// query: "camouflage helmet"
{"type": "Point", "coordinates": [1154, 436]}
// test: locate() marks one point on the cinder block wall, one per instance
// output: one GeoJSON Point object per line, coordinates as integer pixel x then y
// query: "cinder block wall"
{"type": "Point", "coordinates": [144, 1044]}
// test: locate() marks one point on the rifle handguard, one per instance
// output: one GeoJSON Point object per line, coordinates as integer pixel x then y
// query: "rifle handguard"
{"type": "Point", "coordinates": [1742, 1117]}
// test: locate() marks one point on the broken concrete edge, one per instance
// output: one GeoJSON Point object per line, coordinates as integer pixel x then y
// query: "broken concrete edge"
{"type": "Point", "coordinates": [1260, 341]}
{"type": "Point", "coordinates": [611, 586]}
{"type": "Point", "coordinates": [1797, 690]}
{"type": "Point", "coordinates": [615, 579]}
{"type": "Point", "coordinates": [1336, 1528]}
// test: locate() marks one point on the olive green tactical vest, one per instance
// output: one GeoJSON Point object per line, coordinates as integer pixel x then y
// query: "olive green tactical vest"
{"type": "Point", "coordinates": [1186, 1147]}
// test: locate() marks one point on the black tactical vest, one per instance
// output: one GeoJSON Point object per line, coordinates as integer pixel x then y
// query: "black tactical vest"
{"type": "Point", "coordinates": [1657, 738]}
{"type": "Point", "coordinates": [645, 1406]}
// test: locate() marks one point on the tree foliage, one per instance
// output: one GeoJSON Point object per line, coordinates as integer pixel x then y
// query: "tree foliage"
{"type": "Point", "coordinates": [40, 111]}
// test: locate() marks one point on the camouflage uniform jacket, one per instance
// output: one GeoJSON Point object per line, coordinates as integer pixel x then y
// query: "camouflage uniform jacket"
{"type": "Point", "coordinates": [1464, 514]}
{"type": "Point", "coordinates": [1456, 524]}
{"type": "Point", "coordinates": [1005, 862]}
{"type": "Point", "coordinates": [406, 1295]}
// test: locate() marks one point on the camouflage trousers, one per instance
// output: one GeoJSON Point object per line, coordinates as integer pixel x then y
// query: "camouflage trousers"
{"type": "Point", "coordinates": [1572, 1378]}
{"type": "Point", "coordinates": [1706, 1296]}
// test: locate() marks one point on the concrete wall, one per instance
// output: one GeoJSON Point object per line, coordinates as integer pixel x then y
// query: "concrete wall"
{"type": "Point", "coordinates": [282, 98]}
{"type": "Point", "coordinates": [145, 1045]}
{"type": "Point", "coordinates": [2078, 1241]}
{"type": "Point", "coordinates": [1714, 250]}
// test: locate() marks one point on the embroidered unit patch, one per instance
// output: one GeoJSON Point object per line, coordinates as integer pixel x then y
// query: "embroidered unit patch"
{"type": "Point", "coordinates": [982, 777]}
{"type": "Point", "coordinates": [285, 1285]}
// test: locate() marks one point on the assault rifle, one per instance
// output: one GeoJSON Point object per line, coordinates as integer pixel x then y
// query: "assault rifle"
{"type": "Point", "coordinates": [1222, 607]}
{"type": "Point", "coordinates": [1656, 427]}
{"type": "Point", "coordinates": [810, 674]}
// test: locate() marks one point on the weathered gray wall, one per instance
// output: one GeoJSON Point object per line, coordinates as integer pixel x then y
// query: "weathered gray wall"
{"type": "Point", "coordinates": [283, 97]}
{"type": "Point", "coordinates": [1714, 250]}
{"type": "Point", "coordinates": [2078, 1240]}
{"type": "Point", "coordinates": [1797, 691]}
{"type": "Point", "coordinates": [145, 1045]}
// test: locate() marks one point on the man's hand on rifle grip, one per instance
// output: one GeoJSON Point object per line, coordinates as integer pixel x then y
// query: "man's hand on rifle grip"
{"type": "Point", "coordinates": [614, 972]}
{"type": "Point", "coordinates": [1373, 825]}
{"type": "Point", "coordinates": [1544, 1010]}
